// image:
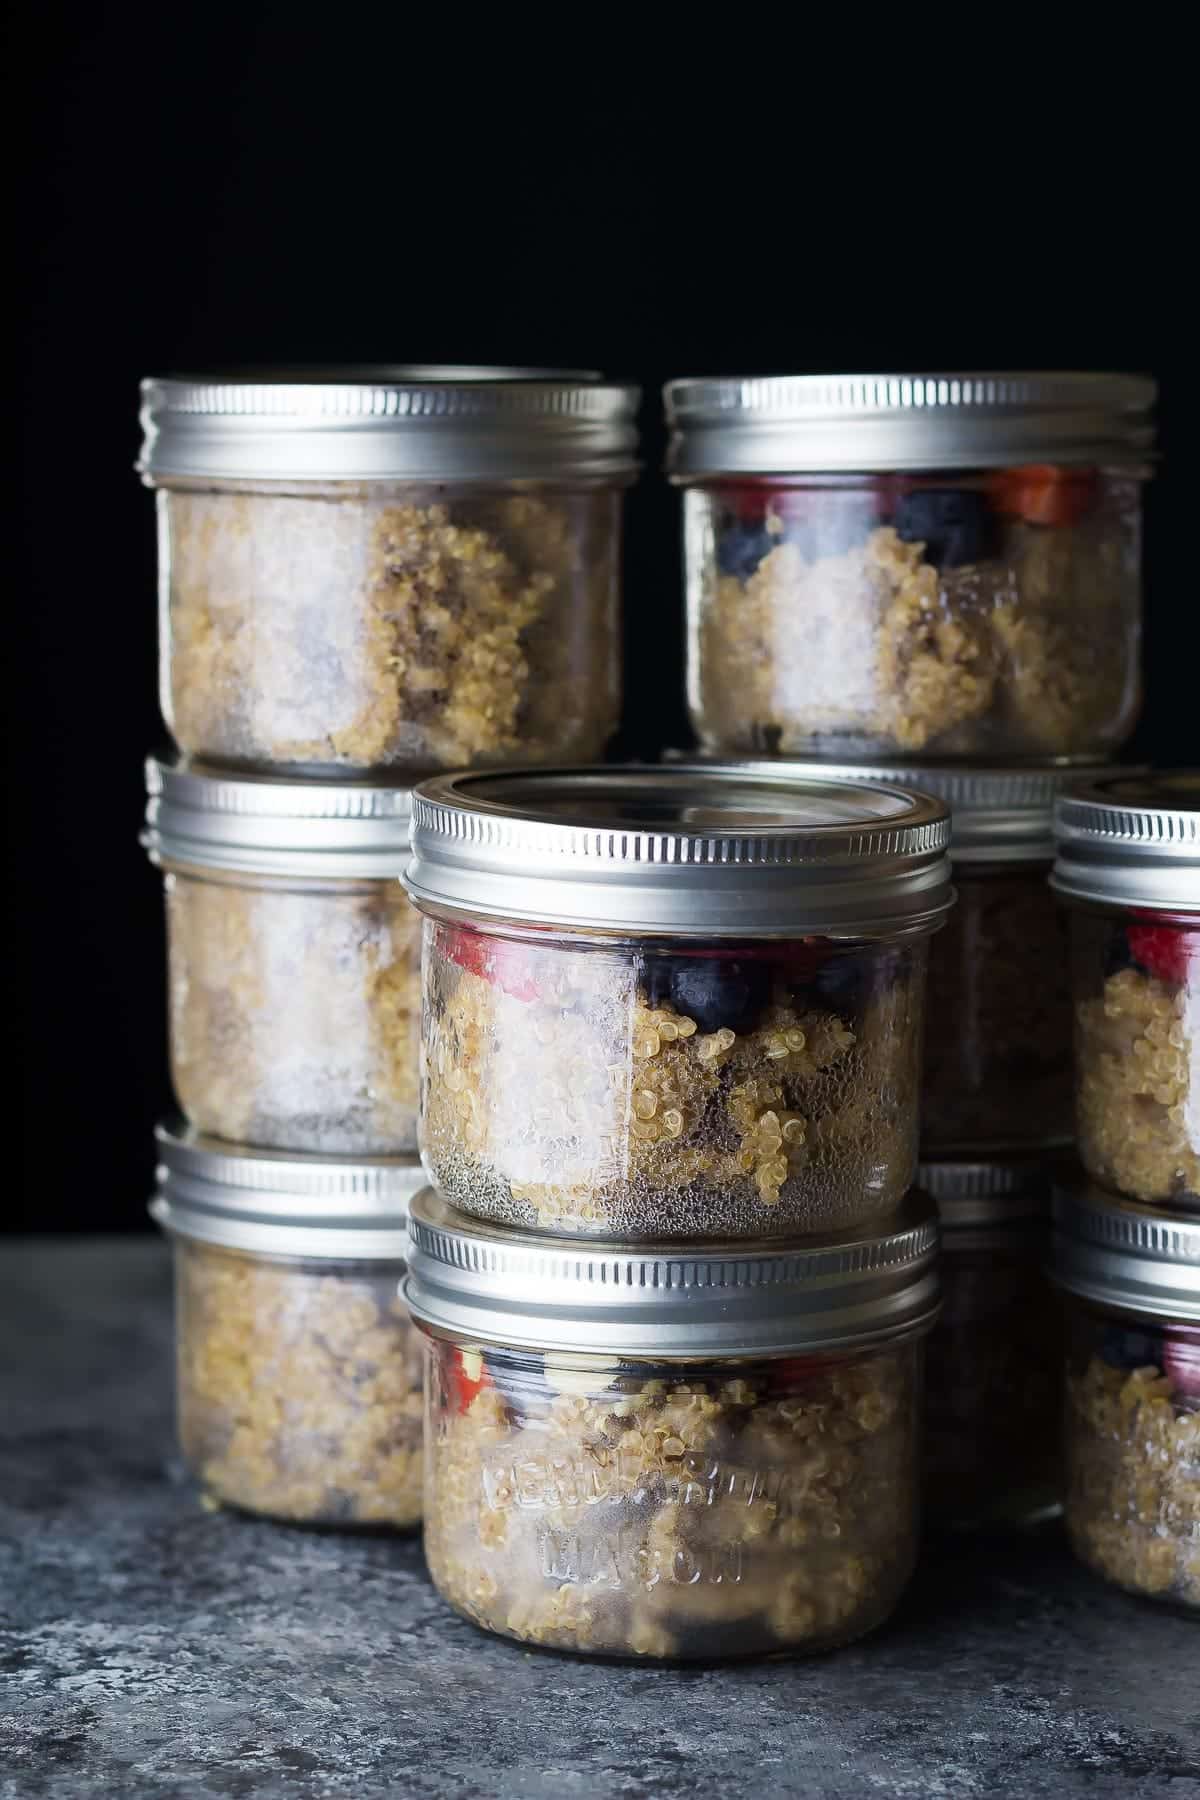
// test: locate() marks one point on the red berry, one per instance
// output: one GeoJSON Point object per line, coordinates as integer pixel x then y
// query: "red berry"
{"type": "Point", "coordinates": [1181, 1361]}
{"type": "Point", "coordinates": [796, 1374]}
{"type": "Point", "coordinates": [467, 1375]}
{"type": "Point", "coordinates": [501, 961]}
{"type": "Point", "coordinates": [748, 501]}
{"type": "Point", "coordinates": [1162, 950]}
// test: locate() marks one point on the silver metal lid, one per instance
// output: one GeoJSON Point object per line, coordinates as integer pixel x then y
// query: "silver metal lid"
{"type": "Point", "coordinates": [1132, 839]}
{"type": "Point", "coordinates": [275, 1204]}
{"type": "Point", "coordinates": [783, 424]}
{"type": "Point", "coordinates": [260, 825]}
{"type": "Point", "coordinates": [500, 1286]}
{"type": "Point", "coordinates": [1128, 1256]}
{"type": "Point", "coordinates": [989, 1193]}
{"type": "Point", "coordinates": [688, 850]}
{"type": "Point", "coordinates": [418, 423]}
{"type": "Point", "coordinates": [1003, 813]}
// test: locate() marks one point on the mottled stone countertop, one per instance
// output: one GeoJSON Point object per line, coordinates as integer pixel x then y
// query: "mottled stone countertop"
{"type": "Point", "coordinates": [149, 1646]}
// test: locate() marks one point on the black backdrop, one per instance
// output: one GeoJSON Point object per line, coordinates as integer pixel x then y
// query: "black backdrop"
{"type": "Point", "coordinates": [212, 186]}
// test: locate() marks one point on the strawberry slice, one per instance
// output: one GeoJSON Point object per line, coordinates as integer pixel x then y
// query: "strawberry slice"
{"type": "Point", "coordinates": [503, 962]}
{"type": "Point", "coordinates": [467, 1374]}
{"type": "Point", "coordinates": [1042, 494]}
{"type": "Point", "coordinates": [1167, 951]}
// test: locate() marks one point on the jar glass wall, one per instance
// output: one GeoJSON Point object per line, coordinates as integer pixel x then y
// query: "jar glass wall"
{"type": "Point", "coordinates": [355, 626]}
{"type": "Point", "coordinates": [997, 1066]}
{"type": "Point", "coordinates": [689, 1509]}
{"type": "Point", "coordinates": [991, 612]}
{"type": "Point", "coordinates": [683, 1088]}
{"type": "Point", "coordinates": [295, 1010]}
{"type": "Point", "coordinates": [1133, 1450]}
{"type": "Point", "coordinates": [993, 1387]}
{"type": "Point", "coordinates": [299, 1386]}
{"type": "Point", "coordinates": [1136, 981]}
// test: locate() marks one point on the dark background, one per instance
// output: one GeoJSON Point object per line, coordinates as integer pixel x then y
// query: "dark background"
{"type": "Point", "coordinates": [199, 187]}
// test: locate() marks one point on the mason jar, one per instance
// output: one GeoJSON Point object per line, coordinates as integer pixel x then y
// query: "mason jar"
{"type": "Point", "coordinates": [673, 1002]}
{"type": "Point", "coordinates": [294, 959]}
{"type": "Point", "coordinates": [298, 1372]}
{"type": "Point", "coordinates": [643, 1453]}
{"type": "Point", "coordinates": [1131, 1274]}
{"type": "Point", "coordinates": [1128, 870]}
{"type": "Point", "coordinates": [900, 565]}
{"type": "Point", "coordinates": [401, 568]}
{"type": "Point", "coordinates": [993, 1372]}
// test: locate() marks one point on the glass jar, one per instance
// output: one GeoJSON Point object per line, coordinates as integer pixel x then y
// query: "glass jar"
{"type": "Point", "coordinates": [635, 1454]}
{"type": "Point", "coordinates": [673, 1002]}
{"type": "Point", "coordinates": [890, 565]}
{"type": "Point", "coordinates": [1132, 1432]}
{"type": "Point", "coordinates": [298, 1370]}
{"type": "Point", "coordinates": [294, 959]}
{"type": "Point", "coordinates": [1129, 868]}
{"type": "Point", "coordinates": [993, 1372]}
{"type": "Point", "coordinates": [390, 569]}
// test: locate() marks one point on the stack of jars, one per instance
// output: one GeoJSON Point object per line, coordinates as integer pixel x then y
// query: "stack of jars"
{"type": "Point", "coordinates": [675, 1283]}
{"type": "Point", "coordinates": [362, 578]}
{"type": "Point", "coordinates": [1127, 1230]}
{"type": "Point", "coordinates": [936, 580]}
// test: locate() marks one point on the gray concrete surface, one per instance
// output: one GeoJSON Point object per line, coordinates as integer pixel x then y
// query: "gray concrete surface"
{"type": "Point", "coordinates": [151, 1647]}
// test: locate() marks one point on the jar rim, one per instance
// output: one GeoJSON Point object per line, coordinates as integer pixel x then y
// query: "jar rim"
{"type": "Point", "coordinates": [1131, 839]}
{"type": "Point", "coordinates": [499, 1284]}
{"type": "Point", "coordinates": [1125, 1254]}
{"type": "Point", "coordinates": [781, 424]}
{"type": "Point", "coordinates": [989, 1191]}
{"type": "Point", "coordinates": [400, 422]}
{"type": "Point", "coordinates": [259, 824]}
{"type": "Point", "coordinates": [681, 850]}
{"type": "Point", "coordinates": [284, 1203]}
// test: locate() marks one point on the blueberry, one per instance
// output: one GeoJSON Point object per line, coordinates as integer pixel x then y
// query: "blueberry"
{"type": "Point", "coordinates": [715, 991]}
{"type": "Point", "coordinates": [1124, 1348]}
{"type": "Point", "coordinates": [1118, 955]}
{"type": "Point", "coordinates": [656, 977]}
{"type": "Point", "coordinates": [954, 524]}
{"type": "Point", "coordinates": [740, 549]}
{"type": "Point", "coordinates": [840, 981]}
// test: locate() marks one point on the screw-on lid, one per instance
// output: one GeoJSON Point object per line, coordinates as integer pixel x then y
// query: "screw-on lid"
{"type": "Point", "coordinates": [784, 424]}
{"type": "Point", "coordinates": [389, 424]}
{"type": "Point", "coordinates": [259, 825]}
{"type": "Point", "coordinates": [988, 1192]}
{"type": "Point", "coordinates": [269, 1203]}
{"type": "Point", "coordinates": [999, 814]}
{"type": "Point", "coordinates": [1131, 840]}
{"type": "Point", "coordinates": [1125, 1255]}
{"type": "Point", "coordinates": [688, 850]}
{"type": "Point", "coordinates": [500, 1286]}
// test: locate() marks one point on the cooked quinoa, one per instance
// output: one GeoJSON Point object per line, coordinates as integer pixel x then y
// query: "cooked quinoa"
{"type": "Point", "coordinates": [998, 1063]}
{"type": "Point", "coordinates": [695, 1513]}
{"type": "Point", "coordinates": [299, 1387]}
{"type": "Point", "coordinates": [1137, 1047]}
{"type": "Point", "coordinates": [334, 628]}
{"type": "Point", "coordinates": [561, 1091]}
{"type": "Point", "coordinates": [1133, 1498]}
{"type": "Point", "coordinates": [1030, 650]}
{"type": "Point", "coordinates": [295, 1012]}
